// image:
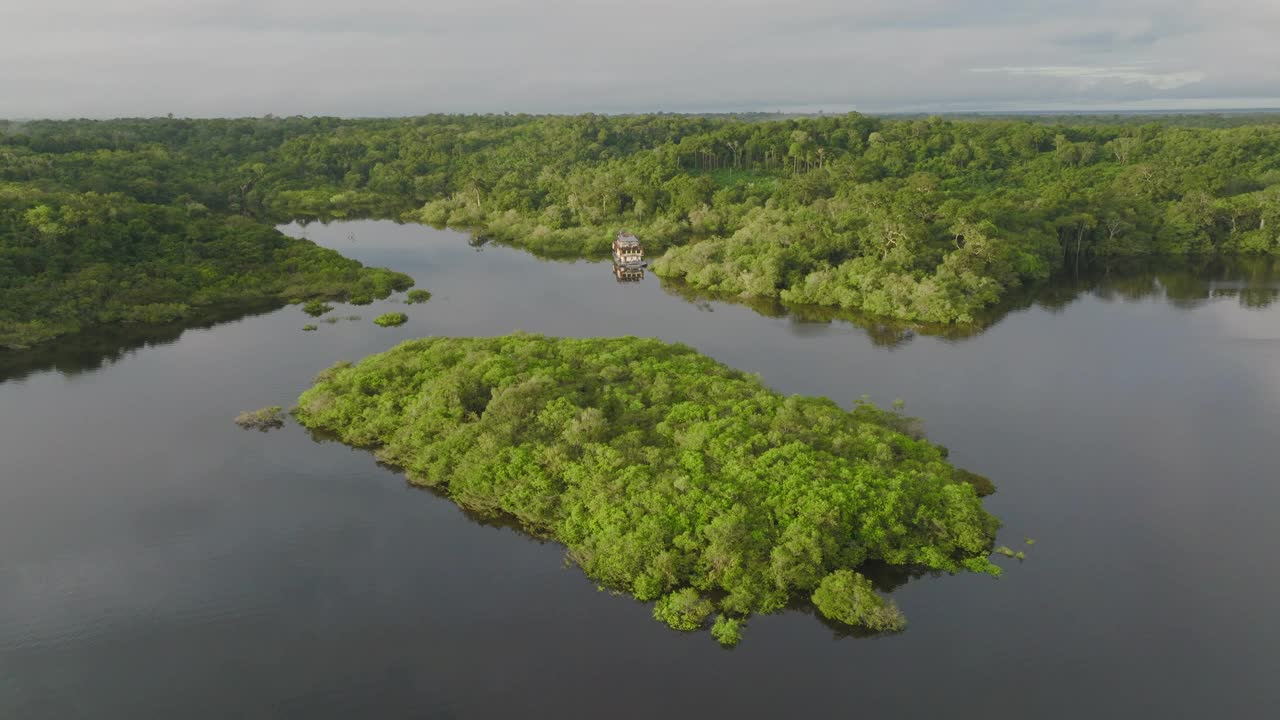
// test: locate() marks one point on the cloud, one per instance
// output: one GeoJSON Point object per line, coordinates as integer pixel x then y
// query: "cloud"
{"type": "Point", "coordinates": [1090, 76]}
{"type": "Point", "coordinates": [395, 57]}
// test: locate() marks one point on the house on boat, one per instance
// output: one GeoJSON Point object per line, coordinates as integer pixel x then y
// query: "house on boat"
{"type": "Point", "coordinates": [627, 251]}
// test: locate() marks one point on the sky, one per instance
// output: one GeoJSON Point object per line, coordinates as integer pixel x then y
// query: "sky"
{"type": "Point", "coordinates": [214, 58]}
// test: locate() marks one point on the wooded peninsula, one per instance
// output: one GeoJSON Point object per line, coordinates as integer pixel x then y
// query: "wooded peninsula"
{"type": "Point", "coordinates": [921, 219]}
{"type": "Point", "coordinates": [72, 260]}
{"type": "Point", "coordinates": [667, 475]}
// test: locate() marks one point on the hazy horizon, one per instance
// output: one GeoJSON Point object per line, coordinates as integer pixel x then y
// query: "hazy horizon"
{"type": "Point", "coordinates": [1049, 112]}
{"type": "Point", "coordinates": [392, 58]}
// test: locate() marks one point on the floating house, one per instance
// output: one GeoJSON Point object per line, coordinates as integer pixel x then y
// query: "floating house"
{"type": "Point", "coordinates": [627, 251]}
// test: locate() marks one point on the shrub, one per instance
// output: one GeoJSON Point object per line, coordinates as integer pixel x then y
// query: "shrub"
{"type": "Point", "coordinates": [847, 597]}
{"type": "Point", "coordinates": [263, 419]}
{"type": "Point", "coordinates": [727, 631]}
{"type": "Point", "coordinates": [316, 308]}
{"type": "Point", "coordinates": [391, 319]}
{"type": "Point", "coordinates": [417, 296]}
{"type": "Point", "coordinates": [981, 484]}
{"type": "Point", "coordinates": [684, 609]}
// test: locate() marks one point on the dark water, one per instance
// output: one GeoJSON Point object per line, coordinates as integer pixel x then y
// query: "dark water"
{"type": "Point", "coordinates": [157, 561]}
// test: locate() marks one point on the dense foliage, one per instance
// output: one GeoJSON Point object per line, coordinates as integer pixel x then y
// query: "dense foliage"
{"type": "Point", "coordinates": [73, 260]}
{"type": "Point", "coordinates": [921, 219]}
{"type": "Point", "coordinates": [667, 475]}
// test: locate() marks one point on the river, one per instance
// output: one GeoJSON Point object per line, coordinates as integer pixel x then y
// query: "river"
{"type": "Point", "coordinates": [158, 561]}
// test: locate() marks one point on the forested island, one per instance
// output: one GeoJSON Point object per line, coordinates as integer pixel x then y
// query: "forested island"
{"type": "Point", "coordinates": [667, 475]}
{"type": "Point", "coordinates": [917, 219]}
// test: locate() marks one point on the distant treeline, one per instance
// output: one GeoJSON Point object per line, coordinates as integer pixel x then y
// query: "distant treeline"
{"type": "Point", "coordinates": [919, 219]}
{"type": "Point", "coordinates": [1216, 119]}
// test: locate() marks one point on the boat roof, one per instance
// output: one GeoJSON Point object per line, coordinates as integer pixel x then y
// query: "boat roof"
{"type": "Point", "coordinates": [627, 239]}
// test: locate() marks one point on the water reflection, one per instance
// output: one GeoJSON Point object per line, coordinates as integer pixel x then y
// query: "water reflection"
{"type": "Point", "coordinates": [145, 536]}
{"type": "Point", "coordinates": [628, 273]}
{"type": "Point", "coordinates": [1254, 282]}
{"type": "Point", "coordinates": [1185, 284]}
{"type": "Point", "coordinates": [106, 344]}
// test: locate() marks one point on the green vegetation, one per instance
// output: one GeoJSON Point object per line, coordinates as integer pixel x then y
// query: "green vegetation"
{"type": "Point", "coordinates": [981, 484]}
{"type": "Point", "coordinates": [264, 419]}
{"type": "Point", "coordinates": [310, 328]}
{"type": "Point", "coordinates": [73, 260]}
{"type": "Point", "coordinates": [391, 319]}
{"type": "Point", "coordinates": [1184, 282]}
{"type": "Point", "coordinates": [922, 219]}
{"type": "Point", "coordinates": [417, 296]}
{"type": "Point", "coordinates": [1009, 552]}
{"type": "Point", "coordinates": [665, 474]}
{"type": "Point", "coordinates": [846, 597]}
{"type": "Point", "coordinates": [684, 609]}
{"type": "Point", "coordinates": [316, 308]}
{"type": "Point", "coordinates": [727, 631]}
{"type": "Point", "coordinates": [335, 319]}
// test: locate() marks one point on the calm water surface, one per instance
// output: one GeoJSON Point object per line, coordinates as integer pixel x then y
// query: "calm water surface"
{"type": "Point", "coordinates": [157, 561]}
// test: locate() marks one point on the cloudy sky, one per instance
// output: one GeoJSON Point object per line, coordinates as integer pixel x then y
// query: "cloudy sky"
{"type": "Point", "coordinates": [99, 58]}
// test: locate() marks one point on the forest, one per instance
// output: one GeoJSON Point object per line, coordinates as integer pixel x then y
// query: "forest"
{"type": "Point", "coordinates": [918, 219]}
{"type": "Point", "coordinates": [666, 475]}
{"type": "Point", "coordinates": [69, 261]}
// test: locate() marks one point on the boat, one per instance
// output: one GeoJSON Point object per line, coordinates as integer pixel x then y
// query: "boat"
{"type": "Point", "coordinates": [627, 251]}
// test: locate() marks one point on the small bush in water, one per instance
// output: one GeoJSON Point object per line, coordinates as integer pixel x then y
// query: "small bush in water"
{"type": "Point", "coordinates": [392, 318]}
{"type": "Point", "coordinates": [316, 308]}
{"type": "Point", "coordinates": [263, 419]}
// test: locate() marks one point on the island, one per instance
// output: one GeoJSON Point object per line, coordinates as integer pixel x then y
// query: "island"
{"type": "Point", "coordinates": [666, 475]}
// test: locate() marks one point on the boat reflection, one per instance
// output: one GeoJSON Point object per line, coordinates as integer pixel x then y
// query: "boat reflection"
{"type": "Point", "coordinates": [628, 273]}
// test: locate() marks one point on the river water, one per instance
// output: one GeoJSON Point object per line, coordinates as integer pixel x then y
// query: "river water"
{"type": "Point", "coordinates": [158, 561]}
